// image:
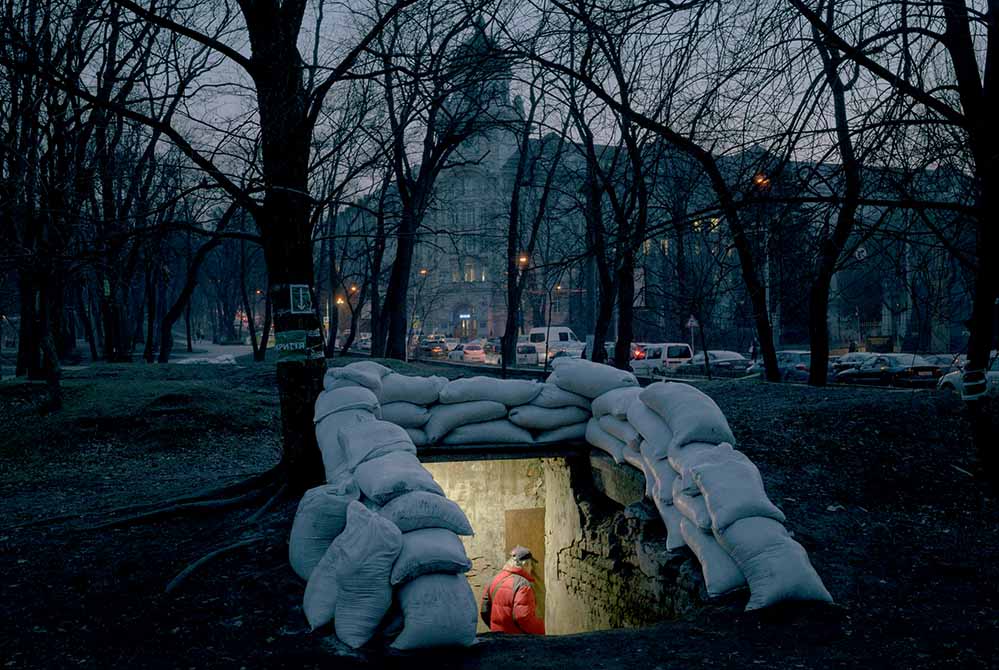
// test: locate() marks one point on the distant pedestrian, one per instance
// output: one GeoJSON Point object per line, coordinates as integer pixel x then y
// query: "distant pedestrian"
{"type": "Point", "coordinates": [508, 603]}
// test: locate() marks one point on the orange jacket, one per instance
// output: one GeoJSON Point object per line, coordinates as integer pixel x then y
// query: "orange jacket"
{"type": "Point", "coordinates": [513, 603]}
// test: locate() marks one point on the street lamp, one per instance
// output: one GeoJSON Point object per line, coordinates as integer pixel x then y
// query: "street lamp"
{"type": "Point", "coordinates": [339, 300]}
{"type": "Point", "coordinates": [423, 272]}
{"type": "Point", "coordinates": [523, 259]}
{"type": "Point", "coordinates": [761, 180]}
{"type": "Point", "coordinates": [353, 289]}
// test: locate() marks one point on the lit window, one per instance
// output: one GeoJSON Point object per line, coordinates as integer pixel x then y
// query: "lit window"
{"type": "Point", "coordinates": [469, 273]}
{"type": "Point", "coordinates": [647, 247]}
{"type": "Point", "coordinates": [696, 225]}
{"type": "Point", "coordinates": [665, 245]}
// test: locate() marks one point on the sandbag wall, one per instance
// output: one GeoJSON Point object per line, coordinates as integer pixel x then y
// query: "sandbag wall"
{"type": "Point", "coordinates": [710, 496]}
{"type": "Point", "coordinates": [378, 544]}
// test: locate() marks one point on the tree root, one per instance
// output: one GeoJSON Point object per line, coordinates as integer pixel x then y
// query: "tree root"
{"type": "Point", "coordinates": [182, 576]}
{"type": "Point", "coordinates": [182, 508]}
{"type": "Point", "coordinates": [266, 507]}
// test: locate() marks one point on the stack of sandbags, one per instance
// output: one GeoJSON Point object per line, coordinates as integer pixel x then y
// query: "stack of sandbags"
{"type": "Point", "coordinates": [388, 536]}
{"type": "Point", "coordinates": [727, 520]}
{"type": "Point", "coordinates": [406, 401]}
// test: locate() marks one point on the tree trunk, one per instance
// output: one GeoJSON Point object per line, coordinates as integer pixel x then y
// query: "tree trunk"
{"type": "Point", "coordinates": [625, 309]}
{"type": "Point", "coordinates": [88, 326]}
{"type": "Point", "coordinates": [29, 360]}
{"type": "Point", "coordinates": [261, 354]}
{"type": "Point", "coordinates": [148, 352]}
{"type": "Point", "coordinates": [818, 330]}
{"type": "Point", "coordinates": [183, 302]}
{"type": "Point", "coordinates": [396, 305]}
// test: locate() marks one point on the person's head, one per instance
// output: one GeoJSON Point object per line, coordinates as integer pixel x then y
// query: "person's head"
{"type": "Point", "coordinates": [521, 557]}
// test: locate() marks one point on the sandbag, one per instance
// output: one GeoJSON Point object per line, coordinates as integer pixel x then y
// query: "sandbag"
{"type": "Point", "coordinates": [775, 566]}
{"type": "Point", "coordinates": [671, 518]}
{"type": "Point", "coordinates": [405, 414]}
{"type": "Point", "coordinates": [394, 474]}
{"type": "Point", "coordinates": [366, 550]}
{"type": "Point", "coordinates": [328, 437]}
{"type": "Point", "coordinates": [682, 458]}
{"type": "Point", "coordinates": [721, 574]}
{"type": "Point", "coordinates": [510, 392]}
{"type": "Point", "coordinates": [553, 397]}
{"type": "Point", "coordinates": [661, 471]}
{"type": "Point", "coordinates": [321, 516]}
{"type": "Point", "coordinates": [622, 430]}
{"type": "Point", "coordinates": [417, 390]}
{"type": "Point", "coordinates": [615, 402]}
{"type": "Point", "coordinates": [372, 439]}
{"type": "Point", "coordinates": [439, 610]}
{"type": "Point", "coordinates": [319, 601]}
{"type": "Point", "coordinates": [445, 418]}
{"type": "Point", "coordinates": [600, 439]}
{"type": "Point", "coordinates": [420, 509]}
{"type": "Point", "coordinates": [368, 378]}
{"type": "Point", "coordinates": [371, 367]}
{"type": "Point", "coordinates": [697, 453]}
{"type": "Point", "coordinates": [418, 436]}
{"type": "Point", "coordinates": [692, 416]}
{"type": "Point", "coordinates": [337, 400]}
{"type": "Point", "coordinates": [633, 456]}
{"type": "Point", "coordinates": [429, 550]}
{"type": "Point", "coordinates": [573, 433]}
{"type": "Point", "coordinates": [692, 508]}
{"type": "Point", "coordinates": [733, 490]}
{"type": "Point", "coordinates": [652, 428]}
{"type": "Point", "coordinates": [499, 431]}
{"type": "Point", "coordinates": [587, 378]}
{"type": "Point", "coordinates": [543, 418]}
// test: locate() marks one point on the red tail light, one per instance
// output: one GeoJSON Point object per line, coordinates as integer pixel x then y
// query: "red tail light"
{"type": "Point", "coordinates": [639, 354]}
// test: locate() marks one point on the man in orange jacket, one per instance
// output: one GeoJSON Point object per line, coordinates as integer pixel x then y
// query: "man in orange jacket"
{"type": "Point", "coordinates": [508, 603]}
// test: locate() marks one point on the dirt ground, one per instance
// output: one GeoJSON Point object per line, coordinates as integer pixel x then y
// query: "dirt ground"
{"type": "Point", "coordinates": [875, 485]}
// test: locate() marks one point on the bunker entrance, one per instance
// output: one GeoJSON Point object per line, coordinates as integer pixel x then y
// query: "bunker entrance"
{"type": "Point", "coordinates": [601, 549]}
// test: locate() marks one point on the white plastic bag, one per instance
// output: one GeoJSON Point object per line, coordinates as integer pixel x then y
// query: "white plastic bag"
{"type": "Point", "coordinates": [510, 392]}
{"type": "Point", "coordinates": [429, 550]}
{"type": "Point", "coordinates": [394, 474]}
{"type": "Point", "coordinates": [405, 414]}
{"type": "Point", "coordinates": [373, 439]}
{"type": "Point", "coordinates": [417, 390]}
{"type": "Point", "coordinates": [602, 440]}
{"type": "Point", "coordinates": [775, 566]}
{"type": "Point", "coordinates": [498, 431]}
{"type": "Point", "coordinates": [692, 416]}
{"type": "Point", "coordinates": [419, 509]}
{"type": "Point", "coordinates": [439, 610]}
{"type": "Point", "coordinates": [587, 378]}
{"type": "Point", "coordinates": [366, 551]}
{"type": "Point", "coordinates": [321, 516]}
{"type": "Point", "coordinates": [445, 418]}
{"type": "Point", "coordinates": [615, 402]}
{"type": "Point", "coordinates": [543, 418]}
{"type": "Point", "coordinates": [721, 574]}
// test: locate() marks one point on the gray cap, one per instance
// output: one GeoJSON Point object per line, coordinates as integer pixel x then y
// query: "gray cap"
{"type": "Point", "coordinates": [521, 553]}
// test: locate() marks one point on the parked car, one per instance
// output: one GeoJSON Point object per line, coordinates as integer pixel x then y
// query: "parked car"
{"type": "Point", "coordinates": [451, 343]}
{"type": "Point", "coordinates": [493, 345]}
{"type": "Point", "coordinates": [851, 360]}
{"type": "Point", "coordinates": [947, 362]}
{"type": "Point", "coordinates": [952, 380]}
{"type": "Point", "coordinates": [718, 361]}
{"type": "Point", "coordinates": [468, 353]}
{"type": "Point", "coordinates": [659, 357]}
{"type": "Point", "coordinates": [433, 346]}
{"type": "Point", "coordinates": [552, 339]}
{"type": "Point", "coordinates": [793, 365]}
{"type": "Point", "coordinates": [910, 370]}
{"type": "Point", "coordinates": [527, 355]}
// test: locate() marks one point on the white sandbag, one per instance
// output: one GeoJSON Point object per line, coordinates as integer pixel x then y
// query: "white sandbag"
{"type": "Point", "coordinates": [721, 574]}
{"type": "Point", "coordinates": [405, 414]}
{"type": "Point", "coordinates": [622, 430]}
{"type": "Point", "coordinates": [445, 418]}
{"type": "Point", "coordinates": [321, 516]}
{"type": "Point", "coordinates": [602, 440]}
{"type": "Point", "coordinates": [429, 550]}
{"type": "Point", "coordinates": [682, 458]}
{"type": "Point", "coordinates": [615, 402]}
{"type": "Point", "coordinates": [368, 378]}
{"type": "Point", "coordinates": [319, 601]}
{"type": "Point", "coordinates": [687, 457]}
{"type": "Point", "coordinates": [553, 397]}
{"type": "Point", "coordinates": [328, 437]}
{"type": "Point", "coordinates": [733, 490]}
{"type": "Point", "coordinates": [371, 367]}
{"type": "Point", "coordinates": [573, 433]}
{"type": "Point", "coordinates": [417, 390]}
{"type": "Point", "coordinates": [693, 508]}
{"type": "Point", "coordinates": [671, 518]}
{"type": "Point", "coordinates": [543, 418]}
{"type": "Point", "coordinates": [366, 550]}
{"type": "Point", "coordinates": [652, 428]}
{"type": "Point", "coordinates": [373, 439]}
{"type": "Point", "coordinates": [587, 378]}
{"type": "Point", "coordinates": [420, 509]}
{"type": "Point", "coordinates": [337, 400]}
{"type": "Point", "coordinates": [510, 392]}
{"type": "Point", "coordinates": [692, 416]}
{"type": "Point", "coordinates": [663, 474]}
{"type": "Point", "coordinates": [775, 566]}
{"type": "Point", "coordinates": [418, 436]}
{"type": "Point", "coordinates": [394, 474]}
{"type": "Point", "coordinates": [438, 610]}
{"type": "Point", "coordinates": [633, 457]}
{"type": "Point", "coordinates": [499, 431]}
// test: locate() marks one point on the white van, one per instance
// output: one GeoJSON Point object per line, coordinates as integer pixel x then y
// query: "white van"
{"type": "Point", "coordinates": [553, 339]}
{"type": "Point", "coordinates": [659, 357]}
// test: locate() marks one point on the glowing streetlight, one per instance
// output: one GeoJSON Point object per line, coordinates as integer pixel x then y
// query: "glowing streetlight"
{"type": "Point", "coordinates": [339, 300]}
{"type": "Point", "coordinates": [259, 292]}
{"type": "Point", "coordinates": [423, 272]}
{"type": "Point", "coordinates": [522, 260]}
{"type": "Point", "coordinates": [558, 287]}
{"type": "Point", "coordinates": [761, 180]}
{"type": "Point", "coordinates": [353, 289]}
